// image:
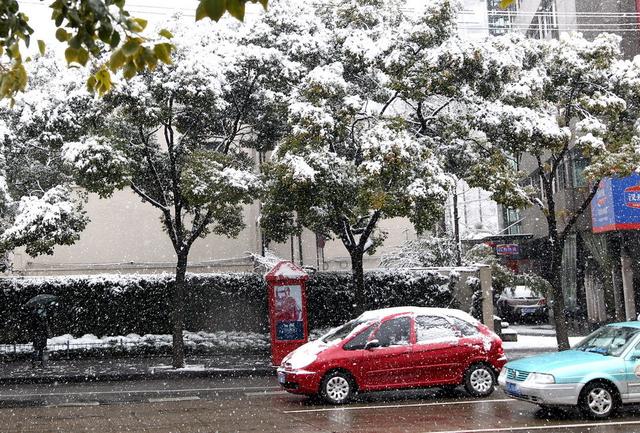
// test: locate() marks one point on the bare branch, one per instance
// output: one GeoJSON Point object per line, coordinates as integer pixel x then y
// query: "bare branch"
{"type": "Point", "coordinates": [574, 217]}
{"type": "Point", "coordinates": [369, 229]}
{"type": "Point", "coordinates": [147, 197]}
{"type": "Point", "coordinates": [200, 227]}
{"type": "Point", "coordinates": [389, 102]}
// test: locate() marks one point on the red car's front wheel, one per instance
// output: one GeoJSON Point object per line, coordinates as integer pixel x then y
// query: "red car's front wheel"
{"type": "Point", "coordinates": [337, 387]}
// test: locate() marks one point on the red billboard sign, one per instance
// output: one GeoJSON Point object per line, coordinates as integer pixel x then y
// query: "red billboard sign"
{"type": "Point", "coordinates": [287, 309]}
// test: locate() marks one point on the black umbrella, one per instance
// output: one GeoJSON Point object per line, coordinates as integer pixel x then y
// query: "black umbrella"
{"type": "Point", "coordinates": [44, 300]}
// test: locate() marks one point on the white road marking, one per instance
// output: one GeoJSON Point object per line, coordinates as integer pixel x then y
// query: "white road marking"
{"type": "Point", "coordinates": [75, 404]}
{"type": "Point", "coordinates": [144, 391]}
{"type": "Point", "coordinates": [394, 406]}
{"type": "Point", "coordinates": [262, 393]}
{"type": "Point", "coordinates": [170, 399]}
{"type": "Point", "coordinates": [540, 427]}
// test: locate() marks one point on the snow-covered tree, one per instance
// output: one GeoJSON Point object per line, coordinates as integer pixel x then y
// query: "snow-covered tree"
{"type": "Point", "coordinates": [38, 207]}
{"type": "Point", "coordinates": [179, 138]}
{"type": "Point", "coordinates": [351, 160]}
{"type": "Point", "coordinates": [570, 95]}
{"type": "Point", "coordinates": [425, 251]}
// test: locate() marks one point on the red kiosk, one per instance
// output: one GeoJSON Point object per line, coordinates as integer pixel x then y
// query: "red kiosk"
{"type": "Point", "coordinates": [287, 309]}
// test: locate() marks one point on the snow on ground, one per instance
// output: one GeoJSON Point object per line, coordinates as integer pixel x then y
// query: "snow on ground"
{"type": "Point", "coordinates": [537, 342]}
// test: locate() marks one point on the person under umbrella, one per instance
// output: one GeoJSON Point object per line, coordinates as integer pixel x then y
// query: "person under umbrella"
{"type": "Point", "coordinates": [40, 326]}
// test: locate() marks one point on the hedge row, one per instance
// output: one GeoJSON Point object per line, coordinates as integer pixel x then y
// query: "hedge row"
{"type": "Point", "coordinates": [119, 305]}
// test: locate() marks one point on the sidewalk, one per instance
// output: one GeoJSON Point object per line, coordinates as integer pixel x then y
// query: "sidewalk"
{"type": "Point", "coordinates": [119, 369]}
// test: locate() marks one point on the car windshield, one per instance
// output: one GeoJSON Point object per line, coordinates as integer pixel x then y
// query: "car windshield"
{"type": "Point", "coordinates": [608, 340]}
{"type": "Point", "coordinates": [340, 333]}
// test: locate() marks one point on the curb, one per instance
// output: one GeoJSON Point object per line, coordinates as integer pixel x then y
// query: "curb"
{"type": "Point", "coordinates": [121, 377]}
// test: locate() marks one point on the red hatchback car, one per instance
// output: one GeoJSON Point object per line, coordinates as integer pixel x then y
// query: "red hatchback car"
{"type": "Point", "coordinates": [395, 348]}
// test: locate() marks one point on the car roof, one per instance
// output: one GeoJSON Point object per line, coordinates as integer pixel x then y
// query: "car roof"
{"type": "Point", "coordinates": [633, 324]}
{"type": "Point", "coordinates": [431, 311]}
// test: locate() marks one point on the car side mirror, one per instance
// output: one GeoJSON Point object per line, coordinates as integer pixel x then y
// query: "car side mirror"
{"type": "Point", "coordinates": [371, 344]}
{"type": "Point", "coordinates": [635, 355]}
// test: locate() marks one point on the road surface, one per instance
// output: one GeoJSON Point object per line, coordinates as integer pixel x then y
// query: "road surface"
{"type": "Point", "coordinates": [258, 405]}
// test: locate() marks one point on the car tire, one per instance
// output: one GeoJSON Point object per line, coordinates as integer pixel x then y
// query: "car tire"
{"type": "Point", "coordinates": [337, 387]}
{"type": "Point", "coordinates": [598, 400]}
{"type": "Point", "coordinates": [480, 380]}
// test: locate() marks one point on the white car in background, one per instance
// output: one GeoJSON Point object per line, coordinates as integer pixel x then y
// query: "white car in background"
{"type": "Point", "coordinates": [521, 303]}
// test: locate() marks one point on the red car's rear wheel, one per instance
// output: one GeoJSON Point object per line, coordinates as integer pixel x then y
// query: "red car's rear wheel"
{"type": "Point", "coordinates": [480, 380]}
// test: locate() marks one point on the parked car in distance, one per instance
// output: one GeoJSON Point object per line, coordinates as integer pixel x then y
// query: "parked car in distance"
{"type": "Point", "coordinates": [395, 348]}
{"type": "Point", "coordinates": [520, 302]}
{"type": "Point", "coordinates": [598, 375]}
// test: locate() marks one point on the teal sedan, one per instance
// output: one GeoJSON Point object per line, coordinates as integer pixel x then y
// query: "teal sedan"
{"type": "Point", "coordinates": [598, 375]}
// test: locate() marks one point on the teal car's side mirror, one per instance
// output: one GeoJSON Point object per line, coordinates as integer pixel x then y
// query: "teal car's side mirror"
{"type": "Point", "coordinates": [635, 355]}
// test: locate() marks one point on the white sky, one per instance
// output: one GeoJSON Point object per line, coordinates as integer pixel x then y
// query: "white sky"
{"type": "Point", "coordinates": [156, 11]}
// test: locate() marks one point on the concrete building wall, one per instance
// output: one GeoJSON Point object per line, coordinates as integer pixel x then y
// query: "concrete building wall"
{"type": "Point", "coordinates": [126, 236]}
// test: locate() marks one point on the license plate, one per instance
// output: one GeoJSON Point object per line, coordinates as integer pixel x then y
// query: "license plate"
{"type": "Point", "coordinates": [281, 377]}
{"type": "Point", "coordinates": [512, 388]}
{"type": "Point", "coordinates": [529, 310]}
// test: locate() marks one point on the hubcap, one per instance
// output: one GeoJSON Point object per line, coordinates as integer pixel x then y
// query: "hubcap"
{"type": "Point", "coordinates": [481, 380]}
{"type": "Point", "coordinates": [600, 401]}
{"type": "Point", "coordinates": [337, 388]}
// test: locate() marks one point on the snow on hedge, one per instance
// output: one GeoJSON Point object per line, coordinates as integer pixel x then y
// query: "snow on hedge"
{"type": "Point", "coordinates": [225, 341]}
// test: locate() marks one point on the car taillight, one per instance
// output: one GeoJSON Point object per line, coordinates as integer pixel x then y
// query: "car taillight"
{"type": "Point", "coordinates": [542, 302]}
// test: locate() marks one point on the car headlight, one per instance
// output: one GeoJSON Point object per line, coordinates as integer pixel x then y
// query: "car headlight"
{"type": "Point", "coordinates": [503, 374]}
{"type": "Point", "coordinates": [540, 378]}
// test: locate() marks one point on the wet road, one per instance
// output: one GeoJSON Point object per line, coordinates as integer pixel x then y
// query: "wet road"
{"type": "Point", "coordinates": [257, 405]}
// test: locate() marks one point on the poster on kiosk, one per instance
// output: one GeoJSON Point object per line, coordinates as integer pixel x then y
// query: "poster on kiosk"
{"type": "Point", "coordinates": [287, 309]}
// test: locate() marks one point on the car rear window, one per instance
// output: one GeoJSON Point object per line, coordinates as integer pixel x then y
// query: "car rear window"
{"type": "Point", "coordinates": [465, 328]}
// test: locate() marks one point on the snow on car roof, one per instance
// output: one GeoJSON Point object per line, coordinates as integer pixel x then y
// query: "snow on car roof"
{"type": "Point", "coordinates": [633, 324]}
{"type": "Point", "coordinates": [432, 311]}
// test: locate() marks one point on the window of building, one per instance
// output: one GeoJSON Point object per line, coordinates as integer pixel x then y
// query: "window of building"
{"type": "Point", "coordinates": [511, 218]}
{"type": "Point", "coordinates": [579, 164]}
{"type": "Point", "coordinates": [500, 20]}
{"type": "Point", "coordinates": [561, 176]}
{"type": "Point", "coordinates": [544, 24]}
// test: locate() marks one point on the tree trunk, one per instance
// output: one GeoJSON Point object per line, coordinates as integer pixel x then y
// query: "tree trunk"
{"type": "Point", "coordinates": [555, 279]}
{"type": "Point", "coordinates": [178, 310]}
{"type": "Point", "coordinates": [357, 273]}
{"type": "Point", "coordinates": [456, 229]}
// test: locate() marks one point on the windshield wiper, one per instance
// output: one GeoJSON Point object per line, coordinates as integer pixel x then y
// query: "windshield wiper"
{"type": "Point", "coordinates": [596, 349]}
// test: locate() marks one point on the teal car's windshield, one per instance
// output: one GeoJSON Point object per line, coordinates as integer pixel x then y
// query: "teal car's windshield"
{"type": "Point", "coordinates": [608, 340]}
